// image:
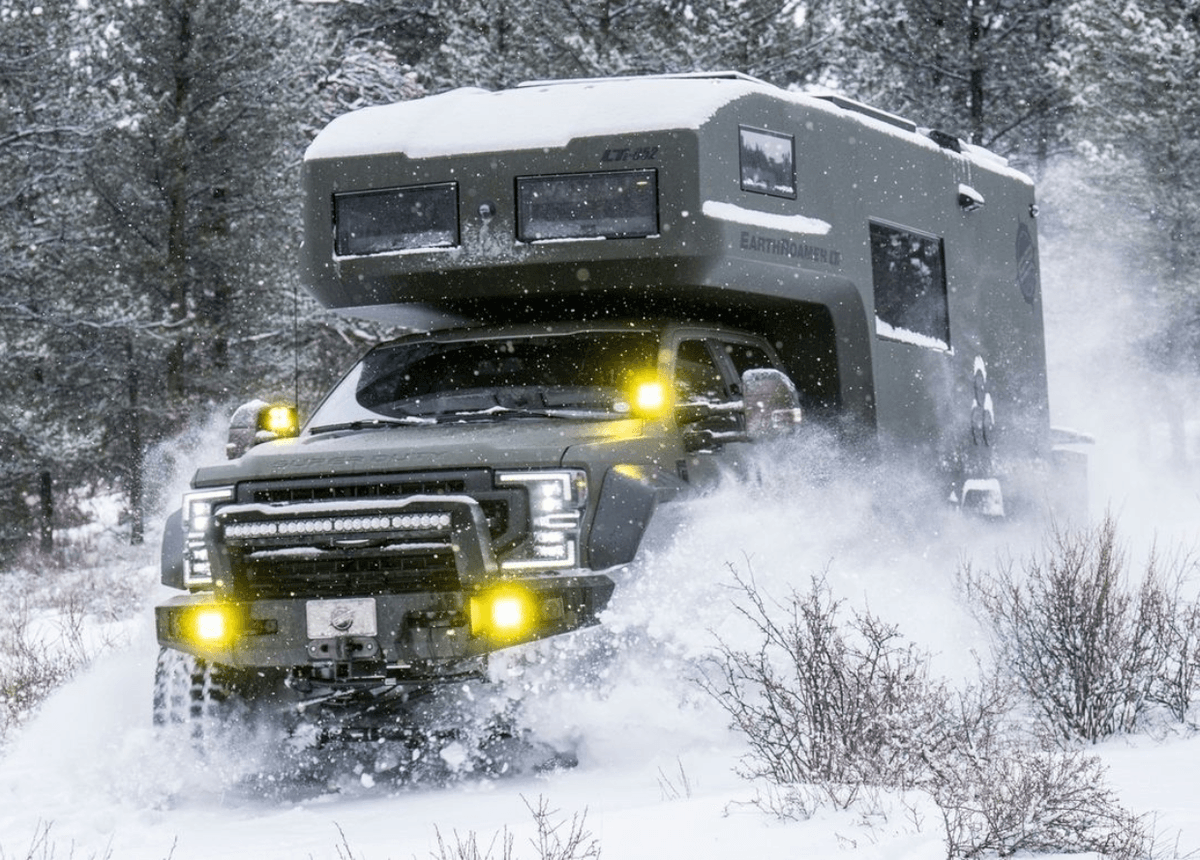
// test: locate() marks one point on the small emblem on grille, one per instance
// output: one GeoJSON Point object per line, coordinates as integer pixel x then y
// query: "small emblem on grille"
{"type": "Point", "coordinates": [341, 619]}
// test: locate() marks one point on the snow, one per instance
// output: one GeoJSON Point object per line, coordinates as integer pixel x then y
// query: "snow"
{"type": "Point", "coordinates": [766, 220]}
{"type": "Point", "coordinates": [469, 120]}
{"type": "Point", "coordinates": [656, 774]}
{"type": "Point", "coordinates": [913, 338]}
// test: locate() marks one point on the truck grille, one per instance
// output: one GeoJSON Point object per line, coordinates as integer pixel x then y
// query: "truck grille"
{"type": "Point", "coordinates": [348, 536]}
{"type": "Point", "coordinates": [356, 575]}
{"type": "Point", "coordinates": [326, 491]}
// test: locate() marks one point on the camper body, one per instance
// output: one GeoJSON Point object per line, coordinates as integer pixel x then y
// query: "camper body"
{"type": "Point", "coordinates": [617, 285]}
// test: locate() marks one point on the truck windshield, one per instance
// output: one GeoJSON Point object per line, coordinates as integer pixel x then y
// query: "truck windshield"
{"type": "Point", "coordinates": [581, 374]}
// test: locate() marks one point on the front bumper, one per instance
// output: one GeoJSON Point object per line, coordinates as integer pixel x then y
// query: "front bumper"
{"type": "Point", "coordinates": [404, 636]}
{"type": "Point", "coordinates": [351, 591]}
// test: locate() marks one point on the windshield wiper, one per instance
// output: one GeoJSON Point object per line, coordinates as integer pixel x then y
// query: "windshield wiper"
{"type": "Point", "coordinates": [531, 412]}
{"type": "Point", "coordinates": [369, 424]}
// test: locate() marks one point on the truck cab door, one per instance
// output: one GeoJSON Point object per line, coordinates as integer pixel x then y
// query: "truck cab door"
{"type": "Point", "coordinates": [702, 373]}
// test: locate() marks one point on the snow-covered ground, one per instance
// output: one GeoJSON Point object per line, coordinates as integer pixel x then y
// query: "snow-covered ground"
{"type": "Point", "coordinates": [656, 773]}
{"type": "Point", "coordinates": [89, 777]}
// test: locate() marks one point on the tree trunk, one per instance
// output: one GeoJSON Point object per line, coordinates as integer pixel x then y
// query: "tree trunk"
{"type": "Point", "coordinates": [137, 514]}
{"type": "Point", "coordinates": [177, 202]}
{"type": "Point", "coordinates": [976, 59]}
{"type": "Point", "coordinates": [46, 506]}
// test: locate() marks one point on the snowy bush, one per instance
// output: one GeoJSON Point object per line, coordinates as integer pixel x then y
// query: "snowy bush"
{"type": "Point", "coordinates": [822, 706]}
{"type": "Point", "coordinates": [43, 847]}
{"type": "Point", "coordinates": [58, 612]}
{"type": "Point", "coordinates": [555, 838]}
{"type": "Point", "coordinates": [1023, 796]}
{"type": "Point", "coordinates": [1091, 650]}
{"type": "Point", "coordinates": [836, 710]}
{"type": "Point", "coordinates": [1179, 679]}
{"type": "Point", "coordinates": [32, 666]}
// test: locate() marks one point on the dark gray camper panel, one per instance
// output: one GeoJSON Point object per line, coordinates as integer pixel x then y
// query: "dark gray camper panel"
{"type": "Point", "coordinates": [895, 270]}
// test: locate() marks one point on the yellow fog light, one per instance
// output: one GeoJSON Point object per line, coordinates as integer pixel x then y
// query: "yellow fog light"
{"type": "Point", "coordinates": [506, 613]}
{"type": "Point", "coordinates": [211, 625]}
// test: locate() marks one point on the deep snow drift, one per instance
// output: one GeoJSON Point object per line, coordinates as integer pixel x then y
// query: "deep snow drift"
{"type": "Point", "coordinates": [655, 775]}
{"type": "Point", "coordinates": [656, 764]}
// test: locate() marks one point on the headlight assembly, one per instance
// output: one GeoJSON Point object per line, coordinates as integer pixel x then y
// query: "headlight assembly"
{"type": "Point", "coordinates": [556, 502]}
{"type": "Point", "coordinates": [198, 508]}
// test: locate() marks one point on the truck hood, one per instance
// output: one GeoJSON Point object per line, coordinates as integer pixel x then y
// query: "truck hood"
{"type": "Point", "coordinates": [513, 443]}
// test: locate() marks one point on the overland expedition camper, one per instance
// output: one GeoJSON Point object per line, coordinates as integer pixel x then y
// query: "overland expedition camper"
{"type": "Point", "coordinates": [618, 282]}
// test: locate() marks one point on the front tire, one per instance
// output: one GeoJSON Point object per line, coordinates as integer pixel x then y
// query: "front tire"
{"type": "Point", "coordinates": [190, 692]}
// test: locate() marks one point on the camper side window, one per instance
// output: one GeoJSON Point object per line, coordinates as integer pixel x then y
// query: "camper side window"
{"type": "Point", "coordinates": [909, 274]}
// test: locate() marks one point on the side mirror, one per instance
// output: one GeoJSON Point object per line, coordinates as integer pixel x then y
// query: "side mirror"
{"type": "Point", "coordinates": [771, 403]}
{"type": "Point", "coordinates": [258, 421]}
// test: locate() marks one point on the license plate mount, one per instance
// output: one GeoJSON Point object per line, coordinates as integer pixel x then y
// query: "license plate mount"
{"type": "Point", "coordinates": [329, 619]}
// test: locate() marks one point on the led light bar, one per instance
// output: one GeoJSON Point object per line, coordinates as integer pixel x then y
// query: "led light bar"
{"type": "Point", "coordinates": [430, 521]}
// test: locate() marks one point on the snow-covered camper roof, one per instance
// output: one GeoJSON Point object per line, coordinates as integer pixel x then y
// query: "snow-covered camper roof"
{"type": "Point", "coordinates": [648, 189]}
{"type": "Point", "coordinates": [472, 120]}
{"type": "Point", "coordinates": [550, 113]}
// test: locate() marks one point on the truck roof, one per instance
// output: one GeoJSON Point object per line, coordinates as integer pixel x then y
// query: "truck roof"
{"type": "Point", "coordinates": [539, 114]}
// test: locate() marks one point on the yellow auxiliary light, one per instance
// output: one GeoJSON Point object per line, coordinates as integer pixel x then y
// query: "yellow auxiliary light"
{"type": "Point", "coordinates": [507, 613]}
{"type": "Point", "coordinates": [650, 398]}
{"type": "Point", "coordinates": [210, 625]}
{"type": "Point", "coordinates": [280, 419]}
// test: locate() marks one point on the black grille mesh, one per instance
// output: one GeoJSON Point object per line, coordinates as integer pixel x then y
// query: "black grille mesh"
{"type": "Point", "coordinates": [356, 575]}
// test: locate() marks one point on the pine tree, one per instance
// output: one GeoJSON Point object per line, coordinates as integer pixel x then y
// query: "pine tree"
{"type": "Point", "coordinates": [40, 229]}
{"type": "Point", "coordinates": [979, 69]}
{"type": "Point", "coordinates": [497, 43]}
{"type": "Point", "coordinates": [157, 276]}
{"type": "Point", "coordinates": [1133, 67]}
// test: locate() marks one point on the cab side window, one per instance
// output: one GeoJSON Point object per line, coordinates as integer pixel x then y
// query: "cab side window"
{"type": "Point", "coordinates": [701, 376]}
{"type": "Point", "coordinates": [697, 377]}
{"type": "Point", "coordinates": [747, 356]}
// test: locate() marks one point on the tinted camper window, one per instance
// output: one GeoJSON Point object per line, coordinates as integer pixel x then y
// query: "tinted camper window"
{"type": "Point", "coordinates": [768, 162]}
{"type": "Point", "coordinates": [909, 273]}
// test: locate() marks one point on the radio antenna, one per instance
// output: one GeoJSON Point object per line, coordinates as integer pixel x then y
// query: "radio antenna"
{"type": "Point", "coordinates": [295, 346]}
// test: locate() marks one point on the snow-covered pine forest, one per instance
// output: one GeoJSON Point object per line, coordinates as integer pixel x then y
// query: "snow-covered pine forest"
{"type": "Point", "coordinates": [149, 224]}
{"type": "Point", "coordinates": [149, 219]}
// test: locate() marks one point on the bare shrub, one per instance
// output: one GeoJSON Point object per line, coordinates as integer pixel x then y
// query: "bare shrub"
{"type": "Point", "coordinates": [41, 847]}
{"type": "Point", "coordinates": [102, 577]}
{"type": "Point", "coordinates": [677, 786]}
{"type": "Point", "coordinates": [836, 710]}
{"type": "Point", "coordinates": [822, 706]}
{"type": "Point", "coordinates": [1178, 678]}
{"type": "Point", "coordinates": [53, 612]}
{"type": "Point", "coordinates": [33, 666]}
{"type": "Point", "coordinates": [1091, 651]}
{"type": "Point", "coordinates": [1026, 797]}
{"type": "Point", "coordinates": [555, 838]}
